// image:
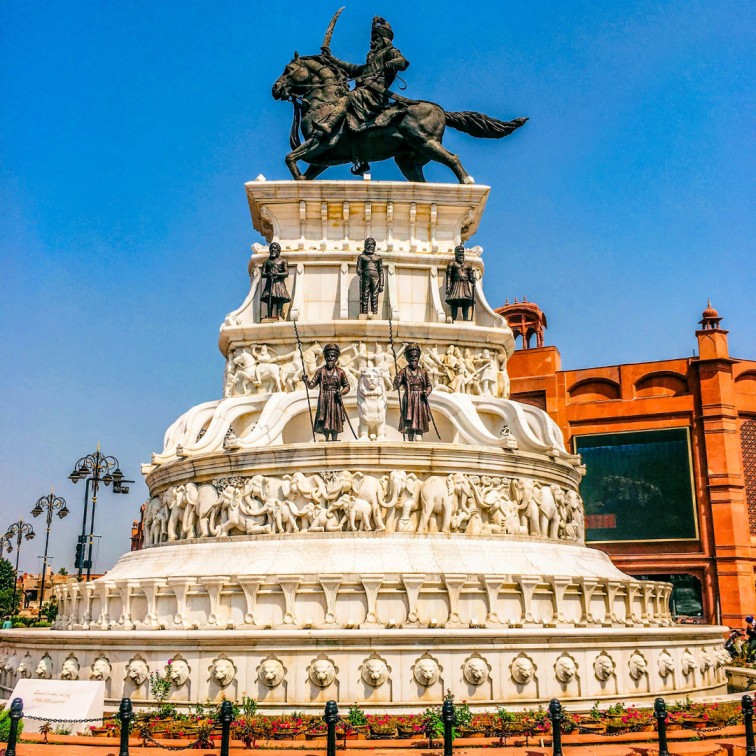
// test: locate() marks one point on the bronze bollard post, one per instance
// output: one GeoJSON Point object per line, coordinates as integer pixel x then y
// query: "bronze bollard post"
{"type": "Point", "coordinates": [660, 712]}
{"type": "Point", "coordinates": [556, 716]}
{"type": "Point", "coordinates": [226, 717]}
{"type": "Point", "coordinates": [449, 719]}
{"type": "Point", "coordinates": [747, 704]}
{"type": "Point", "coordinates": [125, 715]}
{"type": "Point", "coordinates": [331, 718]}
{"type": "Point", "coordinates": [16, 714]}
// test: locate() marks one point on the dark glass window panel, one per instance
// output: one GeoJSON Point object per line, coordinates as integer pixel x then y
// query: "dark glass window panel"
{"type": "Point", "coordinates": [638, 486]}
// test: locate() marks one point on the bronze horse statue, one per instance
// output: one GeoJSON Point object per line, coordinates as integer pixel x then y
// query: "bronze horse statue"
{"type": "Point", "coordinates": [413, 138]}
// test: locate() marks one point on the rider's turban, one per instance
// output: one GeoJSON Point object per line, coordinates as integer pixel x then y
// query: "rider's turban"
{"type": "Point", "coordinates": [382, 28]}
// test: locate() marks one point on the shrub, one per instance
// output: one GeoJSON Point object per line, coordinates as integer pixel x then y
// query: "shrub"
{"type": "Point", "coordinates": [5, 723]}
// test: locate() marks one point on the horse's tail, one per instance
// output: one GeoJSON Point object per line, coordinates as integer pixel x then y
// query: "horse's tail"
{"type": "Point", "coordinates": [479, 125]}
{"type": "Point", "coordinates": [294, 139]}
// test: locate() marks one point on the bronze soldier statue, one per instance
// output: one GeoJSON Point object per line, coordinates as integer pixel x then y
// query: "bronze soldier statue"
{"type": "Point", "coordinates": [370, 273]}
{"type": "Point", "coordinates": [460, 285]}
{"type": "Point", "coordinates": [275, 271]}
{"type": "Point", "coordinates": [416, 414]}
{"type": "Point", "coordinates": [329, 418]}
{"type": "Point", "coordinates": [367, 104]}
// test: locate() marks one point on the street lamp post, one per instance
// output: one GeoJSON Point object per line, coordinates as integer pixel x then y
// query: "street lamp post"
{"type": "Point", "coordinates": [19, 530]}
{"type": "Point", "coordinates": [53, 504]}
{"type": "Point", "coordinates": [95, 469]}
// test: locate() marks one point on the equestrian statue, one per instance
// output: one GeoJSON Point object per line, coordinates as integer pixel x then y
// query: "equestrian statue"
{"type": "Point", "coordinates": [369, 121]}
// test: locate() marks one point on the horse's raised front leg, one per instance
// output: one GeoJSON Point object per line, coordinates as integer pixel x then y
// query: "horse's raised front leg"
{"type": "Point", "coordinates": [300, 154]}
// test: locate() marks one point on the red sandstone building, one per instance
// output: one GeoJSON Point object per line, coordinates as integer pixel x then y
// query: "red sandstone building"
{"type": "Point", "coordinates": [670, 448]}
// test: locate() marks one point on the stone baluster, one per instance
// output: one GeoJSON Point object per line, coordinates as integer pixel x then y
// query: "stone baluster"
{"type": "Point", "coordinates": [214, 585]}
{"type": "Point", "coordinates": [86, 619]}
{"type": "Point", "coordinates": [330, 585]}
{"type": "Point", "coordinates": [151, 589]}
{"type": "Point", "coordinates": [289, 587]}
{"type": "Point", "coordinates": [613, 587]}
{"type": "Point", "coordinates": [454, 585]}
{"type": "Point", "coordinates": [61, 594]}
{"type": "Point", "coordinates": [438, 308]}
{"type": "Point", "coordinates": [559, 586]}
{"type": "Point", "coordinates": [527, 584]}
{"type": "Point", "coordinates": [412, 585]}
{"type": "Point", "coordinates": [588, 585]}
{"type": "Point", "coordinates": [126, 589]}
{"type": "Point", "coordinates": [647, 614]}
{"type": "Point", "coordinates": [181, 586]}
{"type": "Point", "coordinates": [372, 584]}
{"type": "Point", "coordinates": [632, 590]}
{"type": "Point", "coordinates": [344, 291]}
{"type": "Point", "coordinates": [323, 225]}
{"type": "Point", "coordinates": [393, 292]}
{"type": "Point", "coordinates": [103, 591]}
{"type": "Point", "coordinates": [250, 584]}
{"type": "Point", "coordinates": [493, 585]}
{"type": "Point", "coordinates": [73, 614]}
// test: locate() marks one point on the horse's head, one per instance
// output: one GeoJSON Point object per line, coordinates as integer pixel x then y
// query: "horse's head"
{"type": "Point", "coordinates": [295, 74]}
{"type": "Point", "coordinates": [305, 73]}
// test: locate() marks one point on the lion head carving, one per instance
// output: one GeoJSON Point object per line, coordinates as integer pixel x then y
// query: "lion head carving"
{"type": "Point", "coordinates": [522, 670]}
{"type": "Point", "coordinates": [70, 669]}
{"type": "Point", "coordinates": [475, 670]}
{"type": "Point", "coordinates": [101, 669]}
{"type": "Point", "coordinates": [179, 672]}
{"type": "Point", "coordinates": [223, 672]}
{"type": "Point", "coordinates": [44, 668]}
{"type": "Point", "coordinates": [637, 666]}
{"type": "Point", "coordinates": [565, 669]}
{"type": "Point", "coordinates": [375, 672]}
{"type": "Point", "coordinates": [426, 672]}
{"type": "Point", "coordinates": [603, 667]}
{"type": "Point", "coordinates": [271, 673]}
{"type": "Point", "coordinates": [322, 673]}
{"type": "Point", "coordinates": [137, 671]}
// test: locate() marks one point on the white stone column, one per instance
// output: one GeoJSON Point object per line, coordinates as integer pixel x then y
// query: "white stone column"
{"type": "Point", "coordinates": [559, 586]}
{"type": "Point", "coordinates": [528, 584]}
{"type": "Point", "coordinates": [647, 614]}
{"type": "Point", "coordinates": [588, 585]}
{"type": "Point", "coordinates": [632, 589]}
{"type": "Point", "coordinates": [289, 585]}
{"type": "Point", "coordinates": [103, 591]}
{"type": "Point", "coordinates": [73, 616]}
{"type": "Point", "coordinates": [250, 584]}
{"type": "Point", "coordinates": [181, 586]}
{"type": "Point", "coordinates": [214, 585]}
{"type": "Point", "coordinates": [151, 589]}
{"type": "Point", "coordinates": [493, 585]}
{"type": "Point", "coordinates": [330, 585]}
{"type": "Point", "coordinates": [372, 584]}
{"type": "Point", "coordinates": [613, 587]}
{"type": "Point", "coordinates": [454, 584]}
{"type": "Point", "coordinates": [86, 619]}
{"type": "Point", "coordinates": [412, 585]}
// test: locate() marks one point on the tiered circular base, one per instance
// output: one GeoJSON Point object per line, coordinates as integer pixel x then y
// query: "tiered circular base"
{"type": "Point", "coordinates": [497, 654]}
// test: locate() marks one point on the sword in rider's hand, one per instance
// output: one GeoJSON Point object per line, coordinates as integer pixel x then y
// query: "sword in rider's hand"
{"type": "Point", "coordinates": [344, 412]}
{"type": "Point", "coordinates": [329, 31]}
{"type": "Point", "coordinates": [430, 412]}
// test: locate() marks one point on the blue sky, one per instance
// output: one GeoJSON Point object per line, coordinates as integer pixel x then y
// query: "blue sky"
{"type": "Point", "coordinates": [128, 129]}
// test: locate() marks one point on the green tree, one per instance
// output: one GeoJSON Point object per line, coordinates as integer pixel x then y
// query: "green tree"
{"type": "Point", "coordinates": [7, 579]}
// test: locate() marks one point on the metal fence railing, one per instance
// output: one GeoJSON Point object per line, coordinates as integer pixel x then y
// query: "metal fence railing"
{"type": "Point", "coordinates": [331, 717]}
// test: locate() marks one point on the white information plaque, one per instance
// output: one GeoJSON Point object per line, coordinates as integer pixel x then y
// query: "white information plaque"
{"type": "Point", "coordinates": [62, 699]}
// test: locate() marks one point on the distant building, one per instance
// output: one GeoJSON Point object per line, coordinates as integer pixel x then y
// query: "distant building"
{"type": "Point", "coordinates": [670, 448]}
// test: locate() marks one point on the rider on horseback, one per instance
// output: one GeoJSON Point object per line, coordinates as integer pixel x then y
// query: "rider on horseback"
{"type": "Point", "coordinates": [368, 103]}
